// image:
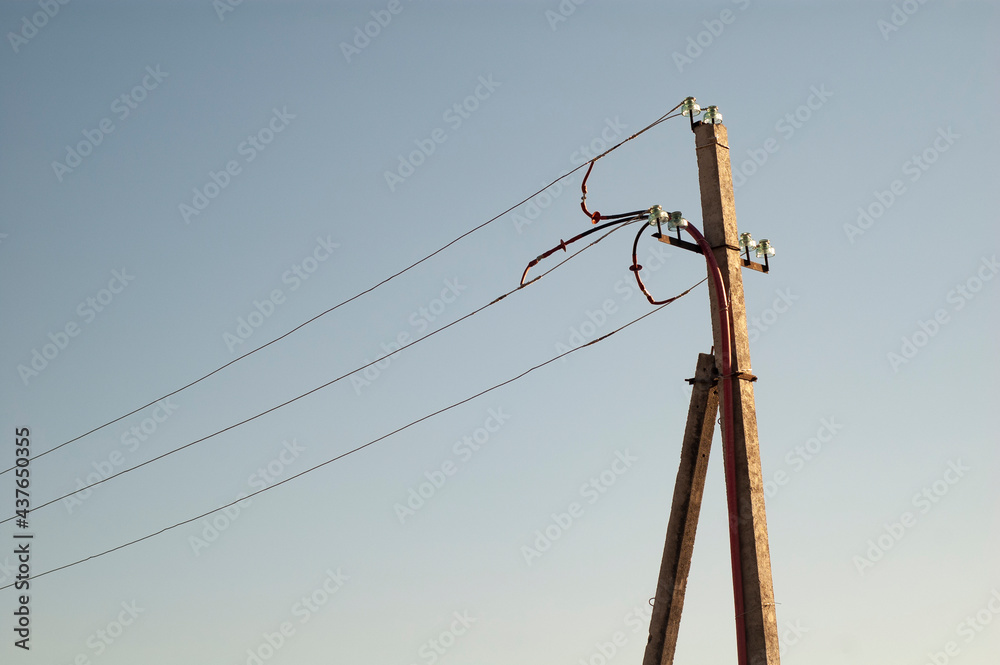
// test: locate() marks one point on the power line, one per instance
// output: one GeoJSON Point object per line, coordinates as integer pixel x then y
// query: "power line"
{"type": "Point", "coordinates": [665, 116]}
{"type": "Point", "coordinates": [354, 450]}
{"type": "Point", "coordinates": [328, 383]}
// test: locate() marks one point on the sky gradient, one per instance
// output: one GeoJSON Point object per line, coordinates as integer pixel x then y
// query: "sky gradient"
{"type": "Point", "coordinates": [185, 181]}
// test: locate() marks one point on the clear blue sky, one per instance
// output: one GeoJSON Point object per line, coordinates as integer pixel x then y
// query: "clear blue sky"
{"type": "Point", "coordinates": [168, 169]}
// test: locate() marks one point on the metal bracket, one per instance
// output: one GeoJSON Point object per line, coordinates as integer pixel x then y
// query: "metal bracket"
{"type": "Point", "coordinates": [759, 267]}
{"type": "Point", "coordinates": [692, 247]}
{"type": "Point", "coordinates": [677, 242]}
{"type": "Point", "coordinates": [745, 376]}
{"type": "Point", "coordinates": [747, 263]}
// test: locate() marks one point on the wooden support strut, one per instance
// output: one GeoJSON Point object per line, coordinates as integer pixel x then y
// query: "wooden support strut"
{"type": "Point", "coordinates": [684, 511]}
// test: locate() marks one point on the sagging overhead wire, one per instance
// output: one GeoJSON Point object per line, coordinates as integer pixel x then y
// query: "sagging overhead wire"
{"type": "Point", "coordinates": [627, 218]}
{"type": "Point", "coordinates": [345, 454]}
{"type": "Point", "coordinates": [413, 265]}
{"type": "Point", "coordinates": [325, 385]}
{"type": "Point", "coordinates": [656, 216]}
{"type": "Point", "coordinates": [595, 217]}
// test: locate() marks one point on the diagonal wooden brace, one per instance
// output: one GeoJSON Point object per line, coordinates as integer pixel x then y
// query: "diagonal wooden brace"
{"type": "Point", "coordinates": [683, 523]}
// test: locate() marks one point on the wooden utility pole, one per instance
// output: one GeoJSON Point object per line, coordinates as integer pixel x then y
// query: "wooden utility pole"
{"type": "Point", "coordinates": [760, 629]}
{"type": "Point", "coordinates": [757, 629]}
{"type": "Point", "coordinates": [688, 490]}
